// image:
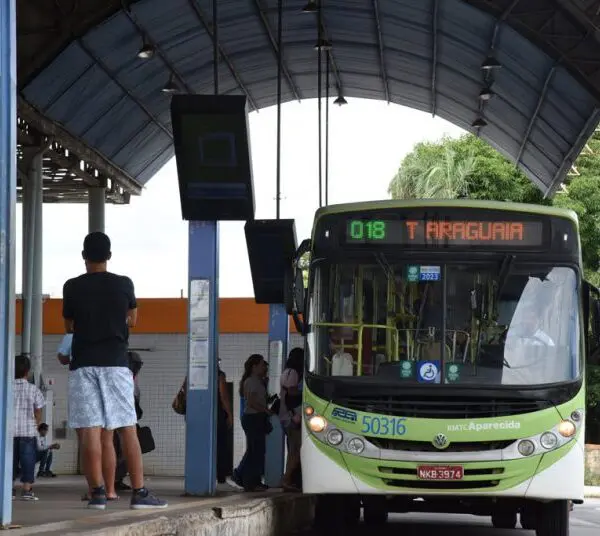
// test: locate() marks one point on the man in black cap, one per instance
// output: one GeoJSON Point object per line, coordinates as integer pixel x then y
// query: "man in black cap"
{"type": "Point", "coordinates": [99, 307]}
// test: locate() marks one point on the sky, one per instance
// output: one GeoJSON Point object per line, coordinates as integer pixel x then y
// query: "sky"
{"type": "Point", "coordinates": [367, 141]}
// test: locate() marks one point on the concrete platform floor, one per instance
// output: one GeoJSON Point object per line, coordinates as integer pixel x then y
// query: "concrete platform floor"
{"type": "Point", "coordinates": [60, 509]}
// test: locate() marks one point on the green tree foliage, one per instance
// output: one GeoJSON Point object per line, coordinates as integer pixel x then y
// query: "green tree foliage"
{"type": "Point", "coordinates": [467, 167]}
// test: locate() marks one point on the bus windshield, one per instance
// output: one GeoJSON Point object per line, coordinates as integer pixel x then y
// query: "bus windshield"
{"type": "Point", "coordinates": [482, 323]}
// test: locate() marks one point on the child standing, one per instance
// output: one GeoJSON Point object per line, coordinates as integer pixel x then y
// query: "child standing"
{"type": "Point", "coordinates": [28, 404]}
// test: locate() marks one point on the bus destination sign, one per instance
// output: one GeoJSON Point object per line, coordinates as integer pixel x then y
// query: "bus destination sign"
{"type": "Point", "coordinates": [414, 232]}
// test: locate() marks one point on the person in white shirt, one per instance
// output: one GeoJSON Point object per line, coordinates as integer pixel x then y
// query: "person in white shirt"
{"type": "Point", "coordinates": [44, 452]}
{"type": "Point", "coordinates": [28, 403]}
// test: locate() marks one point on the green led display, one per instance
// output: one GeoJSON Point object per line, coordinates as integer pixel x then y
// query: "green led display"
{"type": "Point", "coordinates": [367, 230]}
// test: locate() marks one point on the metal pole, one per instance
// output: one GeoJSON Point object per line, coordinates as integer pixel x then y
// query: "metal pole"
{"type": "Point", "coordinates": [28, 245]}
{"type": "Point", "coordinates": [215, 14]}
{"type": "Point", "coordinates": [203, 345]}
{"type": "Point", "coordinates": [96, 209]}
{"type": "Point", "coordinates": [8, 189]}
{"type": "Point", "coordinates": [36, 261]}
{"type": "Point", "coordinates": [319, 90]}
{"type": "Point", "coordinates": [278, 317]}
{"type": "Point", "coordinates": [279, 74]}
{"type": "Point", "coordinates": [327, 132]}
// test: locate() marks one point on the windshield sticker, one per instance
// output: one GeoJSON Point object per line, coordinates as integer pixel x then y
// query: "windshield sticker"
{"type": "Point", "coordinates": [430, 273]}
{"type": "Point", "coordinates": [407, 370]}
{"type": "Point", "coordinates": [412, 274]}
{"type": "Point", "coordinates": [416, 273]}
{"type": "Point", "coordinates": [428, 371]}
{"type": "Point", "coordinates": [484, 426]}
{"type": "Point", "coordinates": [452, 372]}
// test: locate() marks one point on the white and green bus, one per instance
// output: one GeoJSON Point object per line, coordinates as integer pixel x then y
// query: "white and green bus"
{"type": "Point", "coordinates": [445, 345]}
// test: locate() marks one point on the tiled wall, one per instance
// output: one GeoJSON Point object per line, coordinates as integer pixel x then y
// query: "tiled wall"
{"type": "Point", "coordinates": [160, 378]}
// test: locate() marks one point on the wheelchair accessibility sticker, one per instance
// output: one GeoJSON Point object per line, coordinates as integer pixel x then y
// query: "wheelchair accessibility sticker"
{"type": "Point", "coordinates": [429, 371]}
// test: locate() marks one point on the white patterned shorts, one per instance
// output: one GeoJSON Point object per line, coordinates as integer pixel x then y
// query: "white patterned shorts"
{"type": "Point", "coordinates": [101, 396]}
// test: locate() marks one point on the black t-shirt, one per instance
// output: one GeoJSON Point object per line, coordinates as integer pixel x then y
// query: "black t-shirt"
{"type": "Point", "coordinates": [98, 304]}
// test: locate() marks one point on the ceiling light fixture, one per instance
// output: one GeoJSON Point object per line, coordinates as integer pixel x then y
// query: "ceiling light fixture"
{"type": "Point", "coordinates": [486, 94]}
{"type": "Point", "coordinates": [323, 44]}
{"type": "Point", "coordinates": [490, 63]}
{"type": "Point", "coordinates": [480, 122]}
{"type": "Point", "coordinates": [171, 86]}
{"type": "Point", "coordinates": [311, 7]}
{"type": "Point", "coordinates": [146, 52]}
{"type": "Point", "coordinates": [340, 101]}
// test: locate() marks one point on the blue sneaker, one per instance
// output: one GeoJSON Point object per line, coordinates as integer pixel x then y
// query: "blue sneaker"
{"type": "Point", "coordinates": [97, 500]}
{"type": "Point", "coordinates": [144, 500]}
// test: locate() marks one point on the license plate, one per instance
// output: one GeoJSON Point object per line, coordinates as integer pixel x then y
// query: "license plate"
{"type": "Point", "coordinates": [440, 472]}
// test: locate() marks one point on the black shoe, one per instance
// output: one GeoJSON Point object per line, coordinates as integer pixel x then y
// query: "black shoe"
{"type": "Point", "coordinates": [257, 488]}
{"type": "Point", "coordinates": [121, 486]}
{"type": "Point", "coordinates": [50, 474]}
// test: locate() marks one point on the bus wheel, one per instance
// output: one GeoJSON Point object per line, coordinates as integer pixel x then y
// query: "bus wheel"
{"type": "Point", "coordinates": [553, 519]}
{"type": "Point", "coordinates": [375, 512]}
{"type": "Point", "coordinates": [504, 519]}
{"type": "Point", "coordinates": [351, 510]}
{"type": "Point", "coordinates": [335, 511]}
{"type": "Point", "coordinates": [528, 518]}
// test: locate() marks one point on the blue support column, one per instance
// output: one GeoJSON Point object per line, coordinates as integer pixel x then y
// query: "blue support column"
{"type": "Point", "coordinates": [8, 188]}
{"type": "Point", "coordinates": [278, 348]}
{"type": "Point", "coordinates": [203, 333]}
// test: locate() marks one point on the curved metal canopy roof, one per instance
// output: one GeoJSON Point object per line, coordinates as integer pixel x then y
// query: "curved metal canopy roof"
{"type": "Point", "coordinates": [80, 76]}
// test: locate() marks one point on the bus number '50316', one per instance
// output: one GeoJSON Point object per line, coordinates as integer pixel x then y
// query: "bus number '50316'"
{"type": "Point", "coordinates": [383, 425]}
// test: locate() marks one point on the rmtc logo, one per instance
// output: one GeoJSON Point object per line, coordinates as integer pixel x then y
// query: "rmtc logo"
{"type": "Point", "coordinates": [344, 414]}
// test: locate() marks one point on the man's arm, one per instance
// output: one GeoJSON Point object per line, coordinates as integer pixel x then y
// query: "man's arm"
{"type": "Point", "coordinates": [68, 310]}
{"type": "Point", "coordinates": [132, 304]}
{"type": "Point", "coordinates": [64, 350]}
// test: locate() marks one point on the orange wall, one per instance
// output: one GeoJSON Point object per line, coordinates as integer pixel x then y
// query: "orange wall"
{"type": "Point", "coordinates": [169, 315]}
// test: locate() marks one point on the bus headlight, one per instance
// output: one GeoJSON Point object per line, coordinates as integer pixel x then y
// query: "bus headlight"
{"type": "Point", "coordinates": [355, 445]}
{"type": "Point", "coordinates": [335, 437]}
{"type": "Point", "coordinates": [526, 447]}
{"type": "Point", "coordinates": [308, 411]}
{"type": "Point", "coordinates": [317, 423]}
{"type": "Point", "coordinates": [548, 440]}
{"type": "Point", "coordinates": [576, 416]}
{"type": "Point", "coordinates": [567, 429]}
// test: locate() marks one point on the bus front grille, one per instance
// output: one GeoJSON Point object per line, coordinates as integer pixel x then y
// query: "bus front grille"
{"type": "Point", "coordinates": [434, 408]}
{"type": "Point", "coordinates": [473, 479]}
{"type": "Point", "coordinates": [427, 446]}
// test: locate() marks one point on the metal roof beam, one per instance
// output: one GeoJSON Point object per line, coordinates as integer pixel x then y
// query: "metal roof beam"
{"type": "Point", "coordinates": [112, 76]}
{"type": "Point", "coordinates": [158, 51]}
{"type": "Point", "coordinates": [51, 129]}
{"type": "Point", "coordinates": [536, 112]}
{"type": "Point", "coordinates": [334, 68]}
{"type": "Point", "coordinates": [386, 84]}
{"type": "Point", "coordinates": [211, 33]}
{"type": "Point", "coordinates": [275, 47]}
{"type": "Point", "coordinates": [434, 54]}
{"type": "Point", "coordinates": [505, 14]}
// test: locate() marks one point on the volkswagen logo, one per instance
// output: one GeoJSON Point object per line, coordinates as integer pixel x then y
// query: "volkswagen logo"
{"type": "Point", "coordinates": [440, 442]}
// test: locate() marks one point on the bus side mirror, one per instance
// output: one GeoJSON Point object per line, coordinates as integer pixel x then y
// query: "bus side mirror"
{"type": "Point", "coordinates": [295, 291]}
{"type": "Point", "coordinates": [595, 325]}
{"type": "Point", "coordinates": [299, 292]}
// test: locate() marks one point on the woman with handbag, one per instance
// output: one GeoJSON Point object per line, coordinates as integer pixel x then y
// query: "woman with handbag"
{"type": "Point", "coordinates": [255, 422]}
{"type": "Point", "coordinates": [290, 415]}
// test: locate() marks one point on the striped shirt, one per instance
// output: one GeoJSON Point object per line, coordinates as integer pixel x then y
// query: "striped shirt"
{"type": "Point", "coordinates": [27, 398]}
